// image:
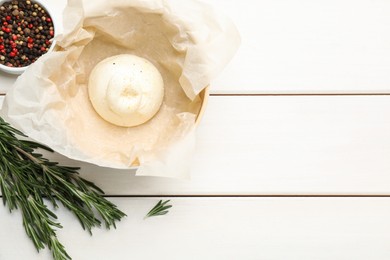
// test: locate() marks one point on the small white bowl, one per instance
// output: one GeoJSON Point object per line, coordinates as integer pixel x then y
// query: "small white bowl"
{"type": "Point", "coordinates": [20, 70]}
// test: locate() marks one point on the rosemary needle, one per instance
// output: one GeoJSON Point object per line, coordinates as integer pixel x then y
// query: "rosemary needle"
{"type": "Point", "coordinates": [160, 209]}
{"type": "Point", "coordinates": [27, 178]}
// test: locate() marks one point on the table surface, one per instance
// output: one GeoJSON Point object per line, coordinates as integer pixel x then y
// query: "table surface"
{"type": "Point", "coordinates": [292, 153]}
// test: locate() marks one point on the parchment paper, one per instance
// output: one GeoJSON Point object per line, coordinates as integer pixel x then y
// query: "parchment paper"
{"type": "Point", "coordinates": [186, 40]}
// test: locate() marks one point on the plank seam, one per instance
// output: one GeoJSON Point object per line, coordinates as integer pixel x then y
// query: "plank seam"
{"type": "Point", "coordinates": [293, 95]}
{"type": "Point", "coordinates": [287, 95]}
{"type": "Point", "coordinates": [244, 196]}
{"type": "Point", "coordinates": [247, 196]}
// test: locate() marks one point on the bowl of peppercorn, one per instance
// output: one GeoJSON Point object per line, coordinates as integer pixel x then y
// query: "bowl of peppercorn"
{"type": "Point", "coordinates": [27, 32]}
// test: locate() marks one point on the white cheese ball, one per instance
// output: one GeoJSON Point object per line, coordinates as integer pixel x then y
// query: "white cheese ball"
{"type": "Point", "coordinates": [126, 90]}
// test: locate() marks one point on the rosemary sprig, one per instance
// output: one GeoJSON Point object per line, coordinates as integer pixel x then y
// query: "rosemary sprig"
{"type": "Point", "coordinates": [26, 178]}
{"type": "Point", "coordinates": [160, 209]}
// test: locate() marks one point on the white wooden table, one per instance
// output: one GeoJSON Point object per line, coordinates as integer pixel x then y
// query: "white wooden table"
{"type": "Point", "coordinates": [293, 154]}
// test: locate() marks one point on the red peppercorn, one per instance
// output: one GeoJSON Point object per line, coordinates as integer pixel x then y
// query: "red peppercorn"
{"type": "Point", "coordinates": [51, 33]}
{"type": "Point", "coordinates": [2, 51]}
{"type": "Point", "coordinates": [8, 18]}
{"type": "Point", "coordinates": [14, 37]}
{"type": "Point", "coordinates": [43, 49]}
{"type": "Point", "coordinates": [30, 40]}
{"type": "Point", "coordinates": [30, 45]}
{"type": "Point", "coordinates": [1, 47]}
{"type": "Point", "coordinates": [7, 30]}
{"type": "Point", "coordinates": [13, 45]}
{"type": "Point", "coordinates": [12, 54]}
{"type": "Point", "coordinates": [48, 20]}
{"type": "Point", "coordinates": [5, 23]}
{"type": "Point", "coordinates": [30, 26]}
{"type": "Point", "coordinates": [15, 50]}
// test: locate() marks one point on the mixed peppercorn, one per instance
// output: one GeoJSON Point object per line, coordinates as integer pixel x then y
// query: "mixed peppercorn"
{"type": "Point", "coordinates": [26, 32]}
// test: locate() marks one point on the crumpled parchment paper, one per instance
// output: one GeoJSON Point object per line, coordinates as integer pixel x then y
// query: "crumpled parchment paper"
{"type": "Point", "coordinates": [185, 39]}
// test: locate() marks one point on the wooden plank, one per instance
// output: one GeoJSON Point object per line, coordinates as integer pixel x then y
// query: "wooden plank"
{"type": "Point", "coordinates": [250, 228]}
{"type": "Point", "coordinates": [6, 81]}
{"type": "Point", "coordinates": [255, 145]}
{"type": "Point", "coordinates": [301, 46]}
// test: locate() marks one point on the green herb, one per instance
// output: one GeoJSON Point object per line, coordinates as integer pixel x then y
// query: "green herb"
{"type": "Point", "coordinates": [26, 178]}
{"type": "Point", "coordinates": [160, 209]}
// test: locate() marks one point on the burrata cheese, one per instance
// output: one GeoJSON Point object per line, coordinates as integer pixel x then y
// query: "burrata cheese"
{"type": "Point", "coordinates": [126, 90]}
